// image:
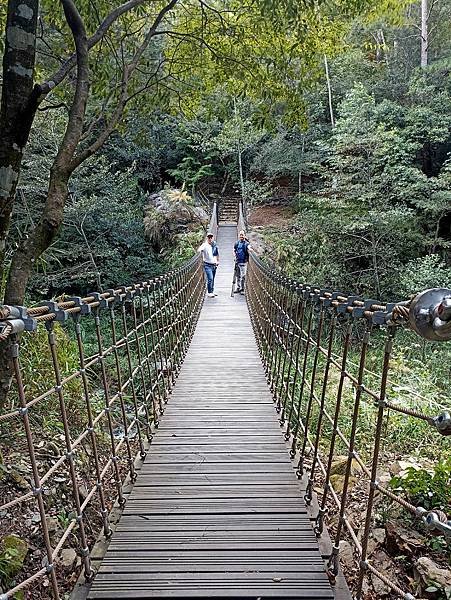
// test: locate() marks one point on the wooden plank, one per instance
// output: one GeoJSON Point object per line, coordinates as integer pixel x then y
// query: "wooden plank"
{"type": "Point", "coordinates": [217, 510]}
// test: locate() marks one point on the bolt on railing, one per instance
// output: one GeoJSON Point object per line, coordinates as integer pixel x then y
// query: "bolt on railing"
{"type": "Point", "coordinates": [102, 402]}
{"type": "Point", "coordinates": [305, 337]}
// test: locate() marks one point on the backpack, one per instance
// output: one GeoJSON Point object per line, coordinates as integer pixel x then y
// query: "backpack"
{"type": "Point", "coordinates": [241, 251]}
{"type": "Point", "coordinates": [214, 248]}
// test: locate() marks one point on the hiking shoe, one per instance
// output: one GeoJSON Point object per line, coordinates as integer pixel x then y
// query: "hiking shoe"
{"type": "Point", "coordinates": [210, 295]}
{"type": "Point", "coordinates": [215, 294]}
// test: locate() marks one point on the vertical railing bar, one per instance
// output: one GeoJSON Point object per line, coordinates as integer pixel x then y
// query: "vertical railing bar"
{"type": "Point", "coordinates": [37, 490]}
{"type": "Point", "coordinates": [374, 467]}
{"type": "Point", "coordinates": [92, 434]}
{"type": "Point", "coordinates": [319, 524]}
{"type": "Point", "coordinates": [284, 350]}
{"type": "Point", "coordinates": [298, 413]}
{"type": "Point", "coordinates": [302, 302]}
{"type": "Point", "coordinates": [144, 405]}
{"type": "Point", "coordinates": [107, 409]}
{"type": "Point", "coordinates": [152, 318]}
{"type": "Point", "coordinates": [151, 395]}
{"type": "Point", "coordinates": [132, 379]}
{"type": "Point", "coordinates": [309, 491]}
{"type": "Point", "coordinates": [333, 564]}
{"type": "Point", "coordinates": [130, 460]}
{"type": "Point", "coordinates": [292, 316]}
{"type": "Point", "coordinates": [300, 467]}
{"type": "Point", "coordinates": [69, 450]}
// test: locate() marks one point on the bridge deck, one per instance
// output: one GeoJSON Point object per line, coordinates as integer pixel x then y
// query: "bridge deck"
{"type": "Point", "coordinates": [217, 511]}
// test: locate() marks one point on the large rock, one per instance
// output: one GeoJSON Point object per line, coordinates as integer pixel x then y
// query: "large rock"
{"type": "Point", "coordinates": [258, 243]}
{"type": "Point", "coordinates": [338, 471]}
{"type": "Point", "coordinates": [67, 558]}
{"type": "Point", "coordinates": [401, 540]}
{"type": "Point", "coordinates": [431, 575]}
{"type": "Point", "coordinates": [346, 553]}
{"type": "Point", "coordinates": [387, 567]}
{"type": "Point", "coordinates": [170, 213]}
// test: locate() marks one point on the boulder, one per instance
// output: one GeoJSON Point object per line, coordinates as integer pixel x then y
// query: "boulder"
{"type": "Point", "coordinates": [346, 554]}
{"type": "Point", "coordinates": [259, 245]}
{"type": "Point", "coordinates": [52, 524]}
{"type": "Point", "coordinates": [431, 576]}
{"type": "Point", "coordinates": [385, 565]}
{"type": "Point", "coordinates": [338, 471]}
{"type": "Point", "coordinates": [402, 540]}
{"type": "Point", "coordinates": [170, 213]}
{"type": "Point", "coordinates": [67, 558]}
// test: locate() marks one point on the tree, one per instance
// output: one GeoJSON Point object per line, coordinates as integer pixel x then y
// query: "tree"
{"type": "Point", "coordinates": [424, 33]}
{"type": "Point", "coordinates": [124, 57]}
{"type": "Point", "coordinates": [21, 96]}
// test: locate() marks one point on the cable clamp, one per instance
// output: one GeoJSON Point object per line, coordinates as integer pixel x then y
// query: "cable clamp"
{"type": "Point", "coordinates": [103, 302]}
{"type": "Point", "coordinates": [85, 308]}
{"type": "Point", "coordinates": [17, 313]}
{"type": "Point", "coordinates": [54, 309]}
{"type": "Point", "coordinates": [442, 423]}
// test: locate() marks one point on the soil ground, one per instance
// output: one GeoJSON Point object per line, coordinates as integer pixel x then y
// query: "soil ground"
{"type": "Point", "coordinates": [271, 216]}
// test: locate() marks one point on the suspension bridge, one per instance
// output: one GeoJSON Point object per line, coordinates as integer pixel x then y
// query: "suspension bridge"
{"type": "Point", "coordinates": [198, 435]}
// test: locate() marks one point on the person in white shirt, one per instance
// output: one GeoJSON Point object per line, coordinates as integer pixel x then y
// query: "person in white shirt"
{"type": "Point", "coordinates": [210, 255]}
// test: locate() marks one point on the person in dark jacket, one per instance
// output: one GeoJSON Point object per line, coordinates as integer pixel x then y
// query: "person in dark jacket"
{"type": "Point", "coordinates": [241, 251]}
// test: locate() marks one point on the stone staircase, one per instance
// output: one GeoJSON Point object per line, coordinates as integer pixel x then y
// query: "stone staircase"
{"type": "Point", "coordinates": [228, 210]}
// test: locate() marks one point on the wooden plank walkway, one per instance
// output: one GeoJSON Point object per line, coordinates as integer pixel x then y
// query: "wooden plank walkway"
{"type": "Point", "coordinates": [217, 511]}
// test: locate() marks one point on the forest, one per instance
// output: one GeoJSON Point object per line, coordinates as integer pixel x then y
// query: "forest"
{"type": "Point", "coordinates": [122, 123]}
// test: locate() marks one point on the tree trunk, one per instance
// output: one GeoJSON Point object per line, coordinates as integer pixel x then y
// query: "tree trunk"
{"type": "Point", "coordinates": [329, 91]}
{"type": "Point", "coordinates": [240, 161]}
{"type": "Point", "coordinates": [300, 166]}
{"type": "Point", "coordinates": [22, 264]}
{"type": "Point", "coordinates": [18, 105]}
{"type": "Point", "coordinates": [240, 165]}
{"type": "Point", "coordinates": [45, 231]}
{"type": "Point", "coordinates": [424, 33]}
{"type": "Point", "coordinates": [226, 181]}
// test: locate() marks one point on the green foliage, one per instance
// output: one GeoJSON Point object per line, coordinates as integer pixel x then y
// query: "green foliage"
{"type": "Point", "coordinates": [426, 488]}
{"type": "Point", "coordinates": [102, 241]}
{"type": "Point", "coordinates": [256, 192]}
{"type": "Point", "coordinates": [190, 171]}
{"type": "Point", "coordinates": [37, 371]}
{"type": "Point", "coordinates": [183, 248]}
{"type": "Point", "coordinates": [377, 202]}
{"type": "Point", "coordinates": [13, 551]}
{"type": "Point", "coordinates": [423, 272]}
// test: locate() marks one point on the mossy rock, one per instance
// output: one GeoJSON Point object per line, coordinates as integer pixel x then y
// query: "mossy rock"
{"type": "Point", "coordinates": [339, 466]}
{"type": "Point", "coordinates": [13, 551]}
{"type": "Point", "coordinates": [338, 482]}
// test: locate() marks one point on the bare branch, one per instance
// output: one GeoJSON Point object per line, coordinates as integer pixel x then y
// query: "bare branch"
{"type": "Point", "coordinates": [76, 118]}
{"type": "Point", "coordinates": [53, 106]}
{"type": "Point", "coordinates": [70, 63]}
{"type": "Point", "coordinates": [127, 72]}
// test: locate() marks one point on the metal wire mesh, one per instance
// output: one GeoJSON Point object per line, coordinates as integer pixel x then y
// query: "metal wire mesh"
{"type": "Point", "coordinates": [78, 427]}
{"type": "Point", "coordinates": [305, 336]}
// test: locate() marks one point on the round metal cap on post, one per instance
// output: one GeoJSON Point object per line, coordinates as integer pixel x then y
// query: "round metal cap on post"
{"type": "Point", "coordinates": [430, 314]}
